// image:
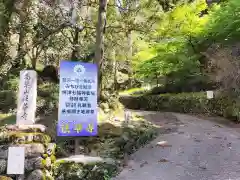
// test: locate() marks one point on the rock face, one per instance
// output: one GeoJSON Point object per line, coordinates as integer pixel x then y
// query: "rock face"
{"type": "Point", "coordinates": [39, 152]}
{"type": "Point", "coordinates": [36, 174]}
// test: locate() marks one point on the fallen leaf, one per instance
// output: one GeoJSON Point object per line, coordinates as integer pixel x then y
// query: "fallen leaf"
{"type": "Point", "coordinates": [202, 167]}
{"type": "Point", "coordinates": [217, 137]}
{"type": "Point", "coordinates": [163, 144]}
{"type": "Point", "coordinates": [150, 147]}
{"type": "Point", "coordinates": [217, 126]}
{"type": "Point", "coordinates": [180, 132]}
{"type": "Point", "coordinates": [144, 163]}
{"type": "Point", "coordinates": [197, 140]}
{"type": "Point", "coordinates": [163, 160]}
{"type": "Point", "coordinates": [178, 164]}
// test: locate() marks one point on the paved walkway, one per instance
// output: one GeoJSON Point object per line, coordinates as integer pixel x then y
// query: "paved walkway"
{"type": "Point", "coordinates": [195, 149]}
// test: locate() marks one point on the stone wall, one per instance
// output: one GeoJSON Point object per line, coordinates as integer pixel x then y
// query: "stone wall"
{"type": "Point", "coordinates": [39, 151]}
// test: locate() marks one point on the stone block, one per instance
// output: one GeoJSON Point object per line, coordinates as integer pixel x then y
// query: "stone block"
{"type": "Point", "coordinates": [5, 178]}
{"type": "Point", "coordinates": [27, 128]}
{"type": "Point", "coordinates": [22, 137]}
{"type": "Point", "coordinates": [4, 151]}
{"type": "Point", "coordinates": [37, 174]}
{"type": "Point", "coordinates": [37, 163]}
{"type": "Point", "coordinates": [3, 166]}
{"type": "Point", "coordinates": [33, 150]}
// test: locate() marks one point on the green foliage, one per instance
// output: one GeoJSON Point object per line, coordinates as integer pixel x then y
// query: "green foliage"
{"type": "Point", "coordinates": [180, 82]}
{"type": "Point", "coordinates": [224, 23]}
{"type": "Point", "coordinates": [183, 21]}
{"type": "Point", "coordinates": [114, 142]}
{"type": "Point", "coordinates": [7, 101]}
{"type": "Point", "coordinates": [78, 171]}
{"type": "Point", "coordinates": [172, 48]}
{"type": "Point", "coordinates": [47, 100]}
{"type": "Point", "coordinates": [186, 103]}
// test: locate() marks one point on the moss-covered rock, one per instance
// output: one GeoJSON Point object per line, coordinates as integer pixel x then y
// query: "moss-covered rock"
{"type": "Point", "coordinates": [33, 150]}
{"type": "Point", "coordinates": [22, 137]}
{"type": "Point", "coordinates": [109, 129]}
{"type": "Point", "coordinates": [37, 174]}
{"type": "Point", "coordinates": [23, 134]}
{"type": "Point", "coordinates": [5, 178]}
{"type": "Point", "coordinates": [27, 128]}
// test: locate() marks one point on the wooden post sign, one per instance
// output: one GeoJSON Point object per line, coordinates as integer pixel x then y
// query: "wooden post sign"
{"type": "Point", "coordinates": [27, 97]}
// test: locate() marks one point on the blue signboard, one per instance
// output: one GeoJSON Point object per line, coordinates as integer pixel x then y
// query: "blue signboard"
{"type": "Point", "coordinates": [77, 114]}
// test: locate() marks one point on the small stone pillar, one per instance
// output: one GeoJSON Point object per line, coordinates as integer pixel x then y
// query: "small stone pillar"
{"type": "Point", "coordinates": [39, 151]}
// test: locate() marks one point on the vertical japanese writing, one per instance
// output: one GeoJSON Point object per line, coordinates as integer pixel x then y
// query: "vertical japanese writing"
{"type": "Point", "coordinates": [25, 99]}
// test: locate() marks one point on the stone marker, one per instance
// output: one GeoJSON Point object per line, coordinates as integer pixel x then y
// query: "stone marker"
{"type": "Point", "coordinates": [27, 97]}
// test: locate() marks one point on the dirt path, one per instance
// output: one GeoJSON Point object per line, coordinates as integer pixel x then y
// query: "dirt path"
{"type": "Point", "coordinates": [189, 149]}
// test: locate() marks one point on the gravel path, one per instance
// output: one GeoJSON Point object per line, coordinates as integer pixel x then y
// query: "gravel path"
{"type": "Point", "coordinates": [189, 148]}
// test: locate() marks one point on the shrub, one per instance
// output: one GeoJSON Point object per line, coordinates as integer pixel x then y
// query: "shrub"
{"type": "Point", "coordinates": [184, 84]}
{"type": "Point", "coordinates": [7, 101]}
{"type": "Point", "coordinates": [185, 103]}
{"type": "Point", "coordinates": [134, 91]}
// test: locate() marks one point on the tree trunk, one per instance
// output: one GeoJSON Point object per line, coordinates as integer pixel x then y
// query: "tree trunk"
{"type": "Point", "coordinates": [115, 68]}
{"type": "Point", "coordinates": [5, 18]}
{"type": "Point", "coordinates": [24, 16]}
{"type": "Point", "coordinates": [130, 5]}
{"type": "Point", "coordinates": [74, 56]}
{"type": "Point", "coordinates": [84, 14]}
{"type": "Point", "coordinates": [35, 54]}
{"type": "Point", "coordinates": [99, 47]}
{"type": "Point", "coordinates": [129, 57]}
